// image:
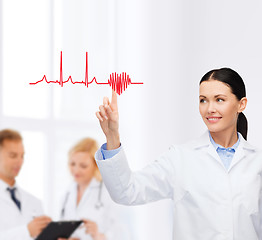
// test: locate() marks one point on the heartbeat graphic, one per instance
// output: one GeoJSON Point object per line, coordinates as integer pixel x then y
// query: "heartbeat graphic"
{"type": "Point", "coordinates": [118, 82]}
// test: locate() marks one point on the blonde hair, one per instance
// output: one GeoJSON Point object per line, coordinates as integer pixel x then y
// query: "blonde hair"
{"type": "Point", "coordinates": [90, 146]}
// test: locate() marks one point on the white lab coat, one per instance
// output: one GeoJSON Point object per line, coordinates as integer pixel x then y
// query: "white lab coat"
{"type": "Point", "coordinates": [13, 223]}
{"type": "Point", "coordinates": [104, 216]}
{"type": "Point", "coordinates": [210, 202]}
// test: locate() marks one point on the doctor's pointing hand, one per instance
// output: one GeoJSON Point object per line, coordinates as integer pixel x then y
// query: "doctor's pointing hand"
{"type": "Point", "coordinates": [108, 116]}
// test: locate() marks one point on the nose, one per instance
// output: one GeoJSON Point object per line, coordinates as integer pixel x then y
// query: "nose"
{"type": "Point", "coordinates": [19, 160]}
{"type": "Point", "coordinates": [211, 108]}
{"type": "Point", "coordinates": [75, 170]}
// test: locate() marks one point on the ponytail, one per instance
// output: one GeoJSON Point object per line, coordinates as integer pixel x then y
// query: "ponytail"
{"type": "Point", "coordinates": [242, 125]}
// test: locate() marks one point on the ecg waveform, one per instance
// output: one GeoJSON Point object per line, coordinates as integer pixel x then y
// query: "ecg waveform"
{"type": "Point", "coordinates": [118, 82]}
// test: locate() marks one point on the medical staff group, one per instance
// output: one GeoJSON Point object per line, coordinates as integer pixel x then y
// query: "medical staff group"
{"type": "Point", "coordinates": [21, 214]}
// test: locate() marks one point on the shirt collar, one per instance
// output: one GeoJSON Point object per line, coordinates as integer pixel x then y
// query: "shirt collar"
{"type": "Point", "coordinates": [216, 146]}
{"type": "Point", "coordinates": [4, 185]}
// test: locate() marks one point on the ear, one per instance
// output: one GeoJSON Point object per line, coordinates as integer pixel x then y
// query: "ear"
{"type": "Point", "coordinates": [242, 104]}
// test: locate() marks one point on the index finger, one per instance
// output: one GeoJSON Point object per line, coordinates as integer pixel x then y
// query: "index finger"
{"type": "Point", "coordinates": [85, 220]}
{"type": "Point", "coordinates": [44, 219]}
{"type": "Point", "coordinates": [40, 217]}
{"type": "Point", "coordinates": [114, 98]}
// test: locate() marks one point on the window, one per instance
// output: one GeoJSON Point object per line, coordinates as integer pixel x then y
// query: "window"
{"type": "Point", "coordinates": [50, 118]}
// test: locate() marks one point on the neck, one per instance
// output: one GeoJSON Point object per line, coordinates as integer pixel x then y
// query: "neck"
{"type": "Point", "coordinates": [9, 181]}
{"type": "Point", "coordinates": [81, 187]}
{"type": "Point", "coordinates": [226, 138]}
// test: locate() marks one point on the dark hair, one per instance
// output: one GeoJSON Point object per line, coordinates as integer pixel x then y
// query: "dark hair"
{"type": "Point", "coordinates": [9, 134]}
{"type": "Point", "coordinates": [237, 86]}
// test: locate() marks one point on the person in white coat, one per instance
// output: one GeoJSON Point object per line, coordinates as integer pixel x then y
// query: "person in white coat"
{"type": "Point", "coordinates": [87, 198]}
{"type": "Point", "coordinates": [21, 214]}
{"type": "Point", "coordinates": [215, 181]}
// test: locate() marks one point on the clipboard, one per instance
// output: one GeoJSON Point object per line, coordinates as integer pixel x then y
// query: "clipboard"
{"type": "Point", "coordinates": [55, 230]}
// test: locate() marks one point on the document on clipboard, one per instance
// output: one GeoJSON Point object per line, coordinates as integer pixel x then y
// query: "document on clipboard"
{"type": "Point", "coordinates": [61, 229]}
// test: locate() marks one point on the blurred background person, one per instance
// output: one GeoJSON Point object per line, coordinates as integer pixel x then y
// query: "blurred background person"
{"type": "Point", "coordinates": [21, 213]}
{"type": "Point", "coordinates": [87, 198]}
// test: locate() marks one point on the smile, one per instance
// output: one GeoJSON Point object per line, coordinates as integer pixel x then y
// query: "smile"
{"type": "Point", "coordinates": [213, 119]}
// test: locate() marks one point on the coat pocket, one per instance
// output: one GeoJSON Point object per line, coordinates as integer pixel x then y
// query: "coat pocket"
{"type": "Point", "coordinates": [251, 194]}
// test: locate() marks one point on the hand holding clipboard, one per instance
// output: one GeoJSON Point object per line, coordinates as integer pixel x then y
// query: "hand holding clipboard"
{"type": "Point", "coordinates": [56, 230]}
{"type": "Point", "coordinates": [36, 226]}
{"type": "Point", "coordinates": [90, 228]}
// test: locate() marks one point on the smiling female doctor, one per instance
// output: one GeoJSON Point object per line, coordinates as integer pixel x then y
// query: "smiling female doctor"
{"type": "Point", "coordinates": [87, 199]}
{"type": "Point", "coordinates": [214, 181]}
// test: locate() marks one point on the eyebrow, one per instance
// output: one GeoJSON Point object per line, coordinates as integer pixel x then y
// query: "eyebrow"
{"type": "Point", "coordinates": [215, 95]}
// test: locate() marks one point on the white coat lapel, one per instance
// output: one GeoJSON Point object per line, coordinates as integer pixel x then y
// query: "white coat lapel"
{"type": "Point", "coordinates": [238, 156]}
{"type": "Point", "coordinates": [89, 193]}
{"type": "Point", "coordinates": [205, 145]}
{"type": "Point", "coordinates": [241, 152]}
{"type": "Point", "coordinates": [5, 195]}
{"type": "Point", "coordinates": [213, 153]}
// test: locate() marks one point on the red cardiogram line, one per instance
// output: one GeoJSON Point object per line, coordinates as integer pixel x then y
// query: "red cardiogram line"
{"type": "Point", "coordinates": [118, 82]}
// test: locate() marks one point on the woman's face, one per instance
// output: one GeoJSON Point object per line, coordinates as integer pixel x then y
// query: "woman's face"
{"type": "Point", "coordinates": [219, 107]}
{"type": "Point", "coordinates": [82, 167]}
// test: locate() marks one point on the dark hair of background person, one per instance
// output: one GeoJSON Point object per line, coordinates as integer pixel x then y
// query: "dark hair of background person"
{"type": "Point", "coordinates": [9, 134]}
{"type": "Point", "coordinates": [237, 86]}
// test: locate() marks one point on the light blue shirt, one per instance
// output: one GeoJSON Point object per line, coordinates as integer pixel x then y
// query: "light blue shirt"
{"type": "Point", "coordinates": [109, 153]}
{"type": "Point", "coordinates": [226, 154]}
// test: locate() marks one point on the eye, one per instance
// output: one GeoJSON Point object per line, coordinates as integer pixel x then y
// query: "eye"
{"type": "Point", "coordinates": [72, 164]}
{"type": "Point", "coordinates": [202, 100]}
{"type": "Point", "coordinates": [12, 155]}
{"type": "Point", "coordinates": [220, 100]}
{"type": "Point", "coordinates": [84, 166]}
